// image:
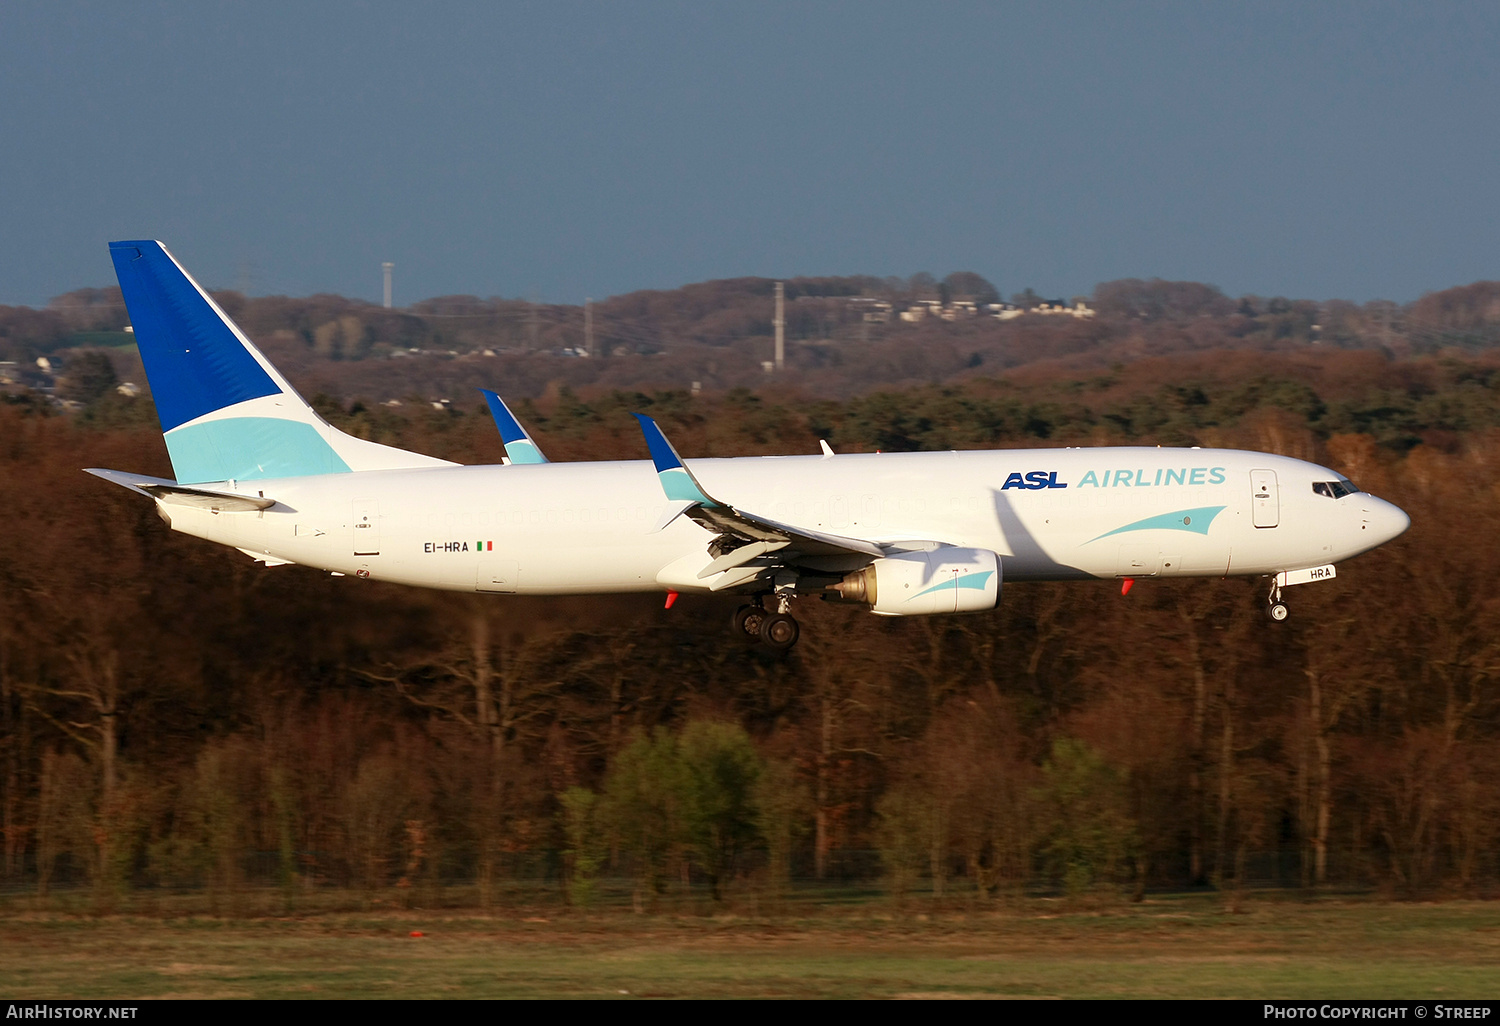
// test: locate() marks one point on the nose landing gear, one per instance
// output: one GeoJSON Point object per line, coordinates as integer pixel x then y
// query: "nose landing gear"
{"type": "Point", "coordinates": [1275, 608]}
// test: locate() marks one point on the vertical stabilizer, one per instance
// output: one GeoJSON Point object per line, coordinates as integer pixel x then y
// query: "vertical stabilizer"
{"type": "Point", "coordinates": [225, 412]}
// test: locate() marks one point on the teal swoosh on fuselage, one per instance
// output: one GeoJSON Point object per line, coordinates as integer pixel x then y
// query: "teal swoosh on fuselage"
{"type": "Point", "coordinates": [1196, 521]}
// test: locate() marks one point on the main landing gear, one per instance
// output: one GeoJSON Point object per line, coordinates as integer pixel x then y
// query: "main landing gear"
{"type": "Point", "coordinates": [773, 626]}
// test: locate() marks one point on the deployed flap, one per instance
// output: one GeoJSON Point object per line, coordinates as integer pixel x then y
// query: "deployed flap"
{"type": "Point", "coordinates": [519, 447]}
{"type": "Point", "coordinates": [740, 556]}
{"type": "Point", "coordinates": [680, 486]}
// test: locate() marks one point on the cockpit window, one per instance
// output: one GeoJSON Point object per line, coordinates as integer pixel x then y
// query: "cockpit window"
{"type": "Point", "coordinates": [1335, 489]}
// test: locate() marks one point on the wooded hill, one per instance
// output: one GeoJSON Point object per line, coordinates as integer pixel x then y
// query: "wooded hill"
{"type": "Point", "coordinates": [718, 334]}
{"type": "Point", "coordinates": [175, 716]}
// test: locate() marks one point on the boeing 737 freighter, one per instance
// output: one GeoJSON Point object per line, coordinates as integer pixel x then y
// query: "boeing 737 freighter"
{"type": "Point", "coordinates": [904, 533]}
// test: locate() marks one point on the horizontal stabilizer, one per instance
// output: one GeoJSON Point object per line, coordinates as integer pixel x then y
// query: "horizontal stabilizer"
{"type": "Point", "coordinates": [174, 494]}
{"type": "Point", "coordinates": [135, 482]}
{"type": "Point", "coordinates": [203, 498]}
{"type": "Point", "coordinates": [267, 558]}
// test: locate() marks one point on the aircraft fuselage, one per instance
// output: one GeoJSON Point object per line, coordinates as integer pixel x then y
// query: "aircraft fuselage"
{"type": "Point", "coordinates": [1050, 514]}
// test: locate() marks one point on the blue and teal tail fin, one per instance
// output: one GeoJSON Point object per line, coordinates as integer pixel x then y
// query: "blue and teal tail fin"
{"type": "Point", "coordinates": [225, 411]}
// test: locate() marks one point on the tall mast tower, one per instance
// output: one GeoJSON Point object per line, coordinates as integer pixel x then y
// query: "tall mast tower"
{"type": "Point", "coordinates": [780, 325]}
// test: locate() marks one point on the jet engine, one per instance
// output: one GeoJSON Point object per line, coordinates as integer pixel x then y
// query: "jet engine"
{"type": "Point", "coordinates": [942, 580]}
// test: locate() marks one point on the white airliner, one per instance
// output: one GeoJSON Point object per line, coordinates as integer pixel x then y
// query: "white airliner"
{"type": "Point", "coordinates": [904, 533]}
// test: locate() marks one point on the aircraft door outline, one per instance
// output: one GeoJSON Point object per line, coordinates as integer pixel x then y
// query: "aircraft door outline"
{"type": "Point", "coordinates": [366, 527]}
{"type": "Point", "coordinates": [1265, 498]}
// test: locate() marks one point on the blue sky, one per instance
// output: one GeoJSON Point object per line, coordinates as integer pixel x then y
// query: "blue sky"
{"type": "Point", "coordinates": [572, 149]}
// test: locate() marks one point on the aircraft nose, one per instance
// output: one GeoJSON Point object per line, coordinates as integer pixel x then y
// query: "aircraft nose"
{"type": "Point", "coordinates": [1386, 520]}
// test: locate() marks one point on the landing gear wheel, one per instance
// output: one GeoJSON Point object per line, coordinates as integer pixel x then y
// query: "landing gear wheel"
{"type": "Point", "coordinates": [779, 631]}
{"type": "Point", "coordinates": [1275, 608]}
{"type": "Point", "coordinates": [748, 620]}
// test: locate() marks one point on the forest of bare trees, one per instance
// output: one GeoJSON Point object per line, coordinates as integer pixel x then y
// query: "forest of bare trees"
{"type": "Point", "coordinates": [175, 717]}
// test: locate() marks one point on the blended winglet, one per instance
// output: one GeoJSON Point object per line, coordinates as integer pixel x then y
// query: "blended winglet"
{"type": "Point", "coordinates": [519, 446]}
{"type": "Point", "coordinates": [677, 481]}
{"type": "Point", "coordinates": [685, 496]}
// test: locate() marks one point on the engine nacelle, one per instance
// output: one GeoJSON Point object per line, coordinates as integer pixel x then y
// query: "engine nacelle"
{"type": "Point", "coordinates": [942, 580]}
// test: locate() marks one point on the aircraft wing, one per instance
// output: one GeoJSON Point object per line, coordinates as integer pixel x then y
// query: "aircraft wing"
{"type": "Point", "coordinates": [747, 542]}
{"type": "Point", "coordinates": [750, 527]}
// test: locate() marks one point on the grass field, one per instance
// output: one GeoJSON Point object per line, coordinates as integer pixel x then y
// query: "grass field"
{"type": "Point", "coordinates": [1167, 947]}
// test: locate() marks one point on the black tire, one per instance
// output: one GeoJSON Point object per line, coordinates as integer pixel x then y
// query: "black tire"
{"type": "Point", "coordinates": [779, 631]}
{"type": "Point", "coordinates": [747, 622]}
{"type": "Point", "coordinates": [1278, 611]}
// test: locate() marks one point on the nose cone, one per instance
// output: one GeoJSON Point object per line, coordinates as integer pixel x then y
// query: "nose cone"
{"type": "Point", "coordinates": [1384, 520]}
